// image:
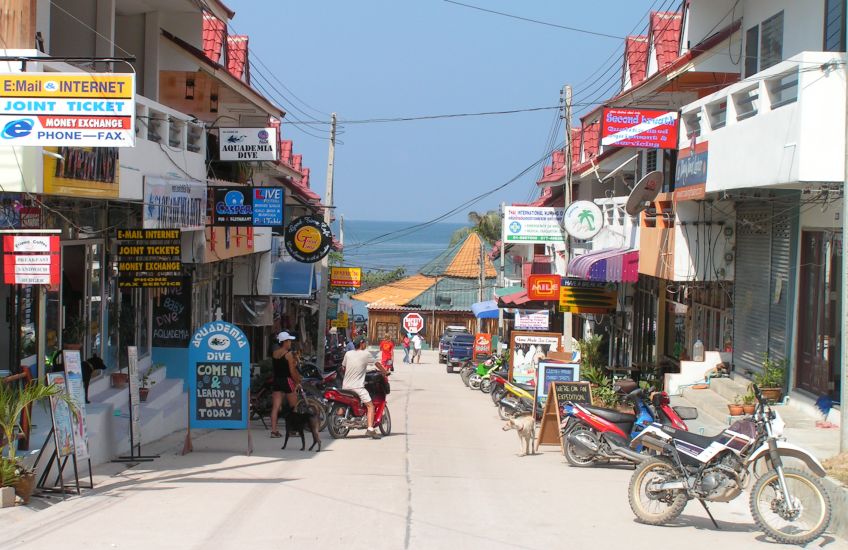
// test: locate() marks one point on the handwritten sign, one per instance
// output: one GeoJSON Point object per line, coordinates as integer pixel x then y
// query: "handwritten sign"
{"type": "Point", "coordinates": [63, 428]}
{"type": "Point", "coordinates": [219, 377]}
{"type": "Point", "coordinates": [172, 317]}
{"type": "Point", "coordinates": [576, 392]}
{"type": "Point", "coordinates": [554, 371]}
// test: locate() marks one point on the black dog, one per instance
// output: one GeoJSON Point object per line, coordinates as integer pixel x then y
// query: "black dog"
{"type": "Point", "coordinates": [296, 423]}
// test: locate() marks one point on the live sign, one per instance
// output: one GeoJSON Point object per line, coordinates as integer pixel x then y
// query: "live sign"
{"type": "Point", "coordinates": [413, 323]}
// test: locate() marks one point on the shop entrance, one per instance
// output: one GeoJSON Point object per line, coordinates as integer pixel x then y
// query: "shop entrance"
{"type": "Point", "coordinates": [81, 311]}
{"type": "Point", "coordinates": [818, 312]}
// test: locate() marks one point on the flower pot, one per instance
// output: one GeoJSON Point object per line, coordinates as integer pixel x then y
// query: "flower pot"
{"type": "Point", "coordinates": [749, 409]}
{"type": "Point", "coordinates": [735, 410]}
{"type": "Point", "coordinates": [772, 395]}
{"type": "Point", "coordinates": [119, 379]}
{"type": "Point", "coordinates": [143, 393]}
{"type": "Point", "coordinates": [25, 486]}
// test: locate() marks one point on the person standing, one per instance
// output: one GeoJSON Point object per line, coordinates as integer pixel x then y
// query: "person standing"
{"type": "Point", "coordinates": [405, 343]}
{"type": "Point", "coordinates": [416, 348]}
{"type": "Point", "coordinates": [286, 378]}
{"type": "Point", "coordinates": [387, 353]}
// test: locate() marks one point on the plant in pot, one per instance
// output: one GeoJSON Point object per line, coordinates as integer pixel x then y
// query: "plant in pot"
{"type": "Point", "coordinates": [735, 408]}
{"type": "Point", "coordinates": [73, 333]}
{"type": "Point", "coordinates": [14, 399]}
{"type": "Point", "coordinates": [771, 379]}
{"type": "Point", "coordinates": [749, 403]}
{"type": "Point", "coordinates": [147, 381]}
{"type": "Point", "coordinates": [605, 396]}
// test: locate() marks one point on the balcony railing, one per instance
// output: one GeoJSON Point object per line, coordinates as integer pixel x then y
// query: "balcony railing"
{"type": "Point", "coordinates": [160, 124]}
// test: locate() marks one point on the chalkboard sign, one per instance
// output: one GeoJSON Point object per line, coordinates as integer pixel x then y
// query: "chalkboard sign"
{"type": "Point", "coordinates": [172, 317]}
{"type": "Point", "coordinates": [219, 377]}
{"type": "Point", "coordinates": [576, 392]}
{"type": "Point", "coordinates": [554, 371]}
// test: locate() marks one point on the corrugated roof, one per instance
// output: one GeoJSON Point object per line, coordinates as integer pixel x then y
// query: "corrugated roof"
{"type": "Point", "coordinates": [453, 294]}
{"type": "Point", "coordinates": [665, 35]}
{"type": "Point", "coordinates": [396, 294]}
{"type": "Point", "coordinates": [466, 261]}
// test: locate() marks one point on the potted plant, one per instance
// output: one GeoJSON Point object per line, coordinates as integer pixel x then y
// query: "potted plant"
{"type": "Point", "coordinates": [735, 408]}
{"type": "Point", "coordinates": [14, 399]}
{"type": "Point", "coordinates": [770, 380]}
{"type": "Point", "coordinates": [147, 381]}
{"type": "Point", "coordinates": [749, 403]}
{"type": "Point", "coordinates": [73, 333]}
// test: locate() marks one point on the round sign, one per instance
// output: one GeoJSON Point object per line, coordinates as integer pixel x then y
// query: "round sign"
{"type": "Point", "coordinates": [413, 323]}
{"type": "Point", "coordinates": [583, 220]}
{"type": "Point", "coordinates": [308, 239]}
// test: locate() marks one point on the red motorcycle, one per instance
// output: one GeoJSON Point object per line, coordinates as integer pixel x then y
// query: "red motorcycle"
{"type": "Point", "coordinates": [348, 413]}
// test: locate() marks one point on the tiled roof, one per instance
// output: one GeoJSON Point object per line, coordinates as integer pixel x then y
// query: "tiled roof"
{"type": "Point", "coordinates": [636, 55]}
{"type": "Point", "coordinates": [453, 294]}
{"type": "Point", "coordinates": [466, 261]}
{"type": "Point", "coordinates": [665, 36]}
{"type": "Point", "coordinates": [214, 31]}
{"type": "Point", "coordinates": [396, 294]}
{"type": "Point", "coordinates": [591, 139]}
{"type": "Point", "coordinates": [237, 48]}
{"type": "Point", "coordinates": [555, 171]}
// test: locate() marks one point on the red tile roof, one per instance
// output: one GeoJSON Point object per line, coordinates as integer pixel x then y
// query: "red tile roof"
{"type": "Point", "coordinates": [591, 139]}
{"type": "Point", "coordinates": [665, 36]}
{"type": "Point", "coordinates": [556, 170]}
{"type": "Point", "coordinates": [286, 151]}
{"type": "Point", "coordinates": [636, 55]}
{"type": "Point", "coordinates": [214, 32]}
{"type": "Point", "coordinates": [305, 180]}
{"type": "Point", "coordinates": [237, 56]}
{"type": "Point", "coordinates": [297, 162]}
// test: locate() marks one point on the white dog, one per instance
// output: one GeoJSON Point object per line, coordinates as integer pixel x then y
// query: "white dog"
{"type": "Point", "coordinates": [526, 428]}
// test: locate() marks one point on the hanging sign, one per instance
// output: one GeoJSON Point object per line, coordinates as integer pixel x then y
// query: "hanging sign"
{"type": "Point", "coordinates": [172, 204]}
{"type": "Point", "coordinates": [268, 206]}
{"type": "Point", "coordinates": [528, 224]}
{"type": "Point", "coordinates": [172, 316]}
{"type": "Point", "coordinates": [643, 128]}
{"type": "Point", "coordinates": [690, 179]}
{"type": "Point", "coordinates": [219, 377]}
{"type": "Point", "coordinates": [581, 296]}
{"type": "Point", "coordinates": [67, 109]}
{"type": "Point", "coordinates": [247, 144]}
{"type": "Point", "coordinates": [63, 427]}
{"type": "Point", "coordinates": [149, 258]}
{"type": "Point", "coordinates": [233, 207]}
{"type": "Point", "coordinates": [527, 319]}
{"type": "Point", "coordinates": [583, 220]}
{"type": "Point", "coordinates": [76, 391]}
{"type": "Point", "coordinates": [543, 287]}
{"type": "Point", "coordinates": [482, 345]}
{"type": "Point", "coordinates": [31, 259]}
{"type": "Point", "coordinates": [413, 323]}
{"type": "Point", "coordinates": [308, 239]}
{"type": "Point", "coordinates": [346, 277]}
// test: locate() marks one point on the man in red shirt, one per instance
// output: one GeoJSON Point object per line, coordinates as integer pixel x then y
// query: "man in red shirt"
{"type": "Point", "coordinates": [387, 353]}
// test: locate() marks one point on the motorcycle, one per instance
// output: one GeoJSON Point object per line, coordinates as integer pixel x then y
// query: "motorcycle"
{"type": "Point", "coordinates": [518, 400]}
{"type": "Point", "coordinates": [596, 434]}
{"type": "Point", "coordinates": [467, 370]}
{"type": "Point", "coordinates": [314, 385]}
{"type": "Point", "coordinates": [791, 505]}
{"type": "Point", "coordinates": [261, 389]}
{"type": "Point", "coordinates": [486, 377]}
{"type": "Point", "coordinates": [348, 413]}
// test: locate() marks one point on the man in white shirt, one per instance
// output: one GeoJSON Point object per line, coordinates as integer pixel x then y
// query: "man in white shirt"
{"type": "Point", "coordinates": [355, 364]}
{"type": "Point", "coordinates": [416, 347]}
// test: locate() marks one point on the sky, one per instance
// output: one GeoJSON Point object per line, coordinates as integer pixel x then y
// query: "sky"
{"type": "Point", "coordinates": [398, 58]}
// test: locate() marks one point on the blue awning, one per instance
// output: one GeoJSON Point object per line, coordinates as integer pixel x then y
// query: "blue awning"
{"type": "Point", "coordinates": [292, 279]}
{"type": "Point", "coordinates": [485, 310]}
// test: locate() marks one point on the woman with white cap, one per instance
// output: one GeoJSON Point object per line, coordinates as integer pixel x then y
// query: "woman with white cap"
{"type": "Point", "coordinates": [286, 378]}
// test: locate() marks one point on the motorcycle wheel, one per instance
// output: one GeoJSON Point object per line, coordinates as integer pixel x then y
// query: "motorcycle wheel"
{"type": "Point", "coordinates": [334, 426]}
{"type": "Point", "coordinates": [797, 527]}
{"type": "Point", "coordinates": [497, 394]}
{"type": "Point", "coordinates": [448, 368]}
{"type": "Point", "coordinates": [655, 507]}
{"type": "Point", "coordinates": [464, 373]}
{"type": "Point", "coordinates": [474, 381]}
{"type": "Point", "coordinates": [575, 455]}
{"type": "Point", "coordinates": [317, 409]}
{"type": "Point", "coordinates": [504, 412]}
{"type": "Point", "coordinates": [386, 422]}
{"type": "Point", "coordinates": [485, 385]}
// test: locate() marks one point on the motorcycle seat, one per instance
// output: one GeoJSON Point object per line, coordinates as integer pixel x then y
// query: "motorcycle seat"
{"type": "Point", "coordinates": [525, 387]}
{"type": "Point", "coordinates": [612, 416]}
{"type": "Point", "coordinates": [349, 393]}
{"type": "Point", "coordinates": [702, 441]}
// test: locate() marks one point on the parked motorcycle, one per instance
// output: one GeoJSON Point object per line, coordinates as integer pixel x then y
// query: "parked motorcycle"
{"type": "Point", "coordinates": [348, 413]}
{"type": "Point", "coordinates": [518, 400]}
{"type": "Point", "coordinates": [789, 504]}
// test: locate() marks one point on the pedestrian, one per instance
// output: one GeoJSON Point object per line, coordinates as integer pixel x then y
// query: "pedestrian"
{"type": "Point", "coordinates": [286, 378]}
{"type": "Point", "coordinates": [349, 346]}
{"type": "Point", "coordinates": [405, 343]}
{"type": "Point", "coordinates": [387, 353]}
{"type": "Point", "coordinates": [416, 348]}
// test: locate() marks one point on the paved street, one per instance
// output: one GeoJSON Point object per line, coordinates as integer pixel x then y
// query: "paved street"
{"type": "Point", "coordinates": [447, 477]}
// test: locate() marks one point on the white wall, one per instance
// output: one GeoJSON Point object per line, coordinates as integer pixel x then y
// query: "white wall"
{"type": "Point", "coordinates": [708, 244]}
{"type": "Point", "coordinates": [703, 17]}
{"type": "Point", "coordinates": [803, 22]}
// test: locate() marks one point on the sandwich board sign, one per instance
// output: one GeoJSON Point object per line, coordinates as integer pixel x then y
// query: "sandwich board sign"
{"type": "Point", "coordinates": [559, 393]}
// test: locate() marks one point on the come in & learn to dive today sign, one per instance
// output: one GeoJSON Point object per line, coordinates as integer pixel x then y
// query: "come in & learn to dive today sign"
{"type": "Point", "coordinates": [219, 377]}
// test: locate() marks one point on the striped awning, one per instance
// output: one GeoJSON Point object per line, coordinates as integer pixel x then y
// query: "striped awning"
{"type": "Point", "coordinates": [614, 265]}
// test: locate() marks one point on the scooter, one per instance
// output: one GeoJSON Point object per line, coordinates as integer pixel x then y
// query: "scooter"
{"type": "Point", "coordinates": [470, 368]}
{"type": "Point", "coordinates": [517, 401]}
{"type": "Point", "coordinates": [348, 413]}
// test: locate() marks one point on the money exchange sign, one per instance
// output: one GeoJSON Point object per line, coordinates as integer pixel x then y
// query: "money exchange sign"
{"type": "Point", "coordinates": [149, 258]}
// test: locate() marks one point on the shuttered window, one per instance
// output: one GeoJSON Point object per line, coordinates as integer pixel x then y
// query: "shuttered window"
{"type": "Point", "coordinates": [834, 25]}
{"type": "Point", "coordinates": [771, 41]}
{"type": "Point", "coordinates": [752, 39]}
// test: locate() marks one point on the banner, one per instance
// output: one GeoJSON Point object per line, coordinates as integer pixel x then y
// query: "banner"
{"type": "Point", "coordinates": [527, 349]}
{"type": "Point", "coordinates": [581, 296]}
{"type": "Point", "coordinates": [172, 316]}
{"type": "Point", "coordinates": [67, 109]}
{"type": "Point", "coordinates": [643, 128]}
{"type": "Point", "coordinates": [528, 224]}
{"type": "Point", "coordinates": [690, 179]}
{"type": "Point", "coordinates": [63, 428]}
{"type": "Point", "coordinates": [346, 277]}
{"type": "Point", "coordinates": [174, 204]}
{"type": "Point", "coordinates": [149, 258]}
{"type": "Point", "coordinates": [526, 319]}
{"type": "Point", "coordinates": [245, 144]}
{"type": "Point", "coordinates": [76, 391]}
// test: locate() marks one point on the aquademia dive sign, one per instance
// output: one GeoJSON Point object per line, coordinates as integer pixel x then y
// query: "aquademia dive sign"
{"type": "Point", "coordinates": [245, 144]}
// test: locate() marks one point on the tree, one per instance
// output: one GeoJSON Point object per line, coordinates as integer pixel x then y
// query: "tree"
{"type": "Point", "coordinates": [373, 279]}
{"type": "Point", "coordinates": [487, 226]}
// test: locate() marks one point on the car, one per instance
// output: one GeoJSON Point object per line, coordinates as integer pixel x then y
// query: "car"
{"type": "Point", "coordinates": [460, 350]}
{"type": "Point", "coordinates": [447, 336]}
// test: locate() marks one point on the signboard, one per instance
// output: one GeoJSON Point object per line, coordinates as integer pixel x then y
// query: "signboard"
{"type": "Point", "coordinates": [244, 144]}
{"type": "Point", "coordinates": [82, 172]}
{"type": "Point", "coordinates": [172, 204]}
{"type": "Point", "coordinates": [76, 391]}
{"type": "Point", "coordinates": [581, 296]}
{"type": "Point", "coordinates": [268, 206]}
{"type": "Point", "coordinates": [346, 277]}
{"type": "Point", "coordinates": [172, 316]}
{"type": "Point", "coordinates": [554, 371]}
{"type": "Point", "coordinates": [527, 349]}
{"type": "Point", "coordinates": [63, 428]}
{"type": "Point", "coordinates": [583, 220]}
{"type": "Point", "coordinates": [690, 179]}
{"type": "Point", "coordinates": [574, 391]}
{"type": "Point", "coordinates": [482, 345]}
{"type": "Point", "coordinates": [149, 258]}
{"type": "Point", "coordinates": [31, 259]}
{"type": "Point", "coordinates": [135, 399]}
{"type": "Point", "coordinates": [219, 377]}
{"type": "Point", "coordinates": [413, 323]}
{"type": "Point", "coordinates": [528, 224]}
{"type": "Point", "coordinates": [67, 109]}
{"type": "Point", "coordinates": [308, 239]}
{"type": "Point", "coordinates": [643, 128]}
{"type": "Point", "coordinates": [560, 393]}
{"type": "Point", "coordinates": [543, 287]}
{"type": "Point", "coordinates": [529, 319]}
{"type": "Point", "coordinates": [233, 207]}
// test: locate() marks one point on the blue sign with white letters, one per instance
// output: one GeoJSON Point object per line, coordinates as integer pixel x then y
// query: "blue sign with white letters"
{"type": "Point", "coordinates": [219, 377]}
{"type": "Point", "coordinates": [268, 206]}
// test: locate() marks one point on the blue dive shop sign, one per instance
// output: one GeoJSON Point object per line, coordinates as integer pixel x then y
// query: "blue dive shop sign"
{"type": "Point", "coordinates": [219, 377]}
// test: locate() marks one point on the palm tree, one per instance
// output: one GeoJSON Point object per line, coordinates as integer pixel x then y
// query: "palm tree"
{"type": "Point", "coordinates": [487, 226]}
{"type": "Point", "coordinates": [587, 217]}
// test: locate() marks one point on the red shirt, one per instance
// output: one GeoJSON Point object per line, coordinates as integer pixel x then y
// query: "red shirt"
{"type": "Point", "coordinates": [387, 350]}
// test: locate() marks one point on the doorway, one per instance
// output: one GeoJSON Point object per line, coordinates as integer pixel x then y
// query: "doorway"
{"type": "Point", "coordinates": [81, 313]}
{"type": "Point", "coordinates": [818, 313]}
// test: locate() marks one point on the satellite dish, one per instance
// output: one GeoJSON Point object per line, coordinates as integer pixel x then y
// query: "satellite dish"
{"type": "Point", "coordinates": [618, 170]}
{"type": "Point", "coordinates": [646, 190]}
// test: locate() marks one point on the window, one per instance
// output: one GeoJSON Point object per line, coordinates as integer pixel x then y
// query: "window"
{"type": "Point", "coordinates": [693, 124]}
{"type": "Point", "coordinates": [650, 161]}
{"type": "Point", "coordinates": [752, 37]}
{"type": "Point", "coordinates": [783, 89]}
{"type": "Point", "coordinates": [718, 114]}
{"type": "Point", "coordinates": [834, 25]}
{"type": "Point", "coordinates": [747, 103]}
{"type": "Point", "coordinates": [771, 41]}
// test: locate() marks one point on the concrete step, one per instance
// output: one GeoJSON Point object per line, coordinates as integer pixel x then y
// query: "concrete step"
{"type": "Point", "coordinates": [709, 403]}
{"type": "Point", "coordinates": [729, 388]}
{"type": "Point", "coordinates": [162, 393]}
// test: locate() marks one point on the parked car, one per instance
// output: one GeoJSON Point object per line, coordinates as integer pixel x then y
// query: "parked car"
{"type": "Point", "coordinates": [444, 341]}
{"type": "Point", "coordinates": [460, 350]}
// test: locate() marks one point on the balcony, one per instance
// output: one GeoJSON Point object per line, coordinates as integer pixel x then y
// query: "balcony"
{"type": "Point", "coordinates": [784, 126]}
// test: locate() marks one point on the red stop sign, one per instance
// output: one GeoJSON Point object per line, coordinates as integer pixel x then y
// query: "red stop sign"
{"type": "Point", "coordinates": [413, 323]}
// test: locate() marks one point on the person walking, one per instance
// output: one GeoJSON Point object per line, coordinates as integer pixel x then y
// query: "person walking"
{"type": "Point", "coordinates": [405, 343]}
{"type": "Point", "coordinates": [387, 353]}
{"type": "Point", "coordinates": [416, 348]}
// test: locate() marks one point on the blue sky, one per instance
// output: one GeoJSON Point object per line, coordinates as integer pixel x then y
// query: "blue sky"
{"type": "Point", "coordinates": [390, 58]}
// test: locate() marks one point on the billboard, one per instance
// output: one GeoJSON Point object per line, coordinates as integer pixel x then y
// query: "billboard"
{"type": "Point", "coordinates": [246, 144]}
{"type": "Point", "coordinates": [643, 128]}
{"type": "Point", "coordinates": [67, 109]}
{"type": "Point", "coordinates": [690, 179]}
{"type": "Point", "coordinates": [174, 204]}
{"type": "Point", "coordinates": [346, 277]}
{"type": "Point", "coordinates": [529, 224]}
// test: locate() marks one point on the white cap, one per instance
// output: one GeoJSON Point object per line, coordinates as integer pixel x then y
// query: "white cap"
{"type": "Point", "coordinates": [283, 336]}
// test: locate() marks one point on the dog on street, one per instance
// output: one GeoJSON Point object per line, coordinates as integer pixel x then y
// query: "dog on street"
{"type": "Point", "coordinates": [297, 423]}
{"type": "Point", "coordinates": [526, 428]}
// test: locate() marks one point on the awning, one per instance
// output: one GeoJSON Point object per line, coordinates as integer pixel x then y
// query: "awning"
{"type": "Point", "coordinates": [614, 265]}
{"type": "Point", "coordinates": [508, 290]}
{"type": "Point", "coordinates": [485, 310]}
{"type": "Point", "coordinates": [292, 279]}
{"type": "Point", "coordinates": [522, 300]}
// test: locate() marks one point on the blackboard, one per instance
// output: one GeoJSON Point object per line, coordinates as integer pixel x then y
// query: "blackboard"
{"type": "Point", "coordinates": [576, 392]}
{"type": "Point", "coordinates": [172, 317]}
{"type": "Point", "coordinates": [218, 391]}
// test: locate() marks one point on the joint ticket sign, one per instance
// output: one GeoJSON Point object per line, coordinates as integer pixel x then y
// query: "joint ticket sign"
{"type": "Point", "coordinates": [67, 109]}
{"type": "Point", "coordinates": [149, 258]}
{"type": "Point", "coordinates": [219, 377]}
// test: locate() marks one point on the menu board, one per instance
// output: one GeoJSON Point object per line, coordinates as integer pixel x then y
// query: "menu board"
{"type": "Point", "coordinates": [172, 317]}
{"type": "Point", "coordinates": [576, 392]}
{"type": "Point", "coordinates": [554, 371]}
{"type": "Point", "coordinates": [218, 391]}
{"type": "Point", "coordinates": [149, 258]}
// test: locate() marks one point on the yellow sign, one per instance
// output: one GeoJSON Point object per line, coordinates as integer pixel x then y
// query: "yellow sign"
{"type": "Point", "coordinates": [341, 321]}
{"type": "Point", "coordinates": [307, 239]}
{"type": "Point", "coordinates": [84, 172]}
{"type": "Point", "coordinates": [346, 277]}
{"type": "Point", "coordinates": [64, 85]}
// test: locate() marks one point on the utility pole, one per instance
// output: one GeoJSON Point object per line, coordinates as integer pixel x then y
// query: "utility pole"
{"type": "Point", "coordinates": [324, 289]}
{"type": "Point", "coordinates": [566, 104]}
{"type": "Point", "coordinates": [501, 277]}
{"type": "Point", "coordinates": [482, 281]}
